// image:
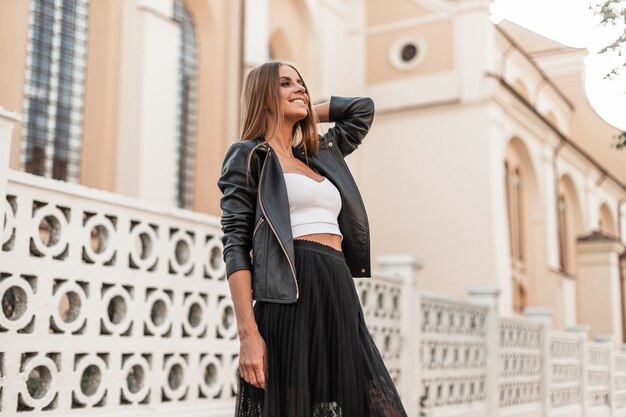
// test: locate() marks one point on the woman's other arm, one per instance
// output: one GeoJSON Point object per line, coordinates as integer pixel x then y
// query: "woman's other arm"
{"type": "Point", "coordinates": [352, 116]}
{"type": "Point", "coordinates": [238, 205]}
{"type": "Point", "coordinates": [252, 352]}
{"type": "Point", "coordinates": [321, 110]}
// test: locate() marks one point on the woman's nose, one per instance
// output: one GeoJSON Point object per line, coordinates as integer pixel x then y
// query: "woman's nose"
{"type": "Point", "coordinates": [299, 87]}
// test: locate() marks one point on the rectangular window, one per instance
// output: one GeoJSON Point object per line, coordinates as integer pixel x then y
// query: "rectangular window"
{"type": "Point", "coordinates": [53, 105]}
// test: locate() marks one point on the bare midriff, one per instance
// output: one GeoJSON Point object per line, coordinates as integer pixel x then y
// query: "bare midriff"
{"type": "Point", "coordinates": [329, 239]}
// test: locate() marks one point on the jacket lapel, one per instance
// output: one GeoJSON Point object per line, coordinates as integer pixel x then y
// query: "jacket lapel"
{"type": "Point", "coordinates": [273, 191]}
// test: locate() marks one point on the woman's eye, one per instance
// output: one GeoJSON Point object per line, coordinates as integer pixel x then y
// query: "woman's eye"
{"type": "Point", "coordinates": [285, 84]}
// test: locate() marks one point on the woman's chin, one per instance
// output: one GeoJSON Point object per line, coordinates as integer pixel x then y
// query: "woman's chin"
{"type": "Point", "coordinates": [296, 117]}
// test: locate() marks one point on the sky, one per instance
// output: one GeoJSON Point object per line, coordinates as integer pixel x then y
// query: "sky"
{"type": "Point", "coordinates": [572, 23]}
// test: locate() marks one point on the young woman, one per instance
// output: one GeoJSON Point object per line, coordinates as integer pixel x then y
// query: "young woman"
{"type": "Point", "coordinates": [295, 233]}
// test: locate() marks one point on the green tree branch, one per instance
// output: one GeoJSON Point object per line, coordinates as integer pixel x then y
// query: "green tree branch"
{"type": "Point", "coordinates": [613, 13]}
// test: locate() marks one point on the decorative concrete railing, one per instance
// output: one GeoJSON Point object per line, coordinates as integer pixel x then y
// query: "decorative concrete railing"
{"type": "Point", "coordinates": [566, 350]}
{"type": "Point", "coordinates": [453, 361]}
{"type": "Point", "coordinates": [108, 303]}
{"type": "Point", "coordinates": [113, 307]}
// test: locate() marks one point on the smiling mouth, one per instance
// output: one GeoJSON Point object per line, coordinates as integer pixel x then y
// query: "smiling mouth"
{"type": "Point", "coordinates": [298, 101]}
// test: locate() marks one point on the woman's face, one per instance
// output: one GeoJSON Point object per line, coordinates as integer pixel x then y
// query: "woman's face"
{"type": "Point", "coordinates": [293, 94]}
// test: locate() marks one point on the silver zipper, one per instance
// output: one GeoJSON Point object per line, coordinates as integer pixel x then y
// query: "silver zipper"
{"type": "Point", "coordinates": [257, 226]}
{"type": "Point", "coordinates": [272, 227]}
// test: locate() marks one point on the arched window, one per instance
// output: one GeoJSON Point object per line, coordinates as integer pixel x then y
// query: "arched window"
{"type": "Point", "coordinates": [563, 232]}
{"type": "Point", "coordinates": [525, 227]}
{"type": "Point", "coordinates": [569, 224]}
{"type": "Point", "coordinates": [186, 131]}
{"type": "Point", "coordinates": [516, 210]}
{"type": "Point", "coordinates": [605, 221]}
{"type": "Point", "coordinates": [54, 88]}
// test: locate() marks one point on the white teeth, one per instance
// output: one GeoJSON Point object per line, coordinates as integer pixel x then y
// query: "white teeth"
{"type": "Point", "coordinates": [298, 101]}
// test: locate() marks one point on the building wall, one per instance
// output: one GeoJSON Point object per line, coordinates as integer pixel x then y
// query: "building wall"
{"type": "Point", "coordinates": [13, 27]}
{"type": "Point", "coordinates": [430, 171]}
{"type": "Point", "coordinates": [423, 174]}
{"type": "Point", "coordinates": [102, 95]}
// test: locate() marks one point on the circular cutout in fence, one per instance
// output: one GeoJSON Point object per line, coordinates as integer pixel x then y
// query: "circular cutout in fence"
{"type": "Point", "coordinates": [195, 319]}
{"type": "Point", "coordinates": [135, 379]}
{"type": "Point", "coordinates": [14, 303]}
{"type": "Point", "coordinates": [90, 380]}
{"type": "Point", "coordinates": [143, 244]}
{"type": "Point", "coordinates": [182, 252]}
{"type": "Point", "coordinates": [214, 266]}
{"type": "Point", "coordinates": [38, 382]}
{"type": "Point", "coordinates": [211, 368]}
{"type": "Point", "coordinates": [195, 315]}
{"type": "Point", "coordinates": [89, 389]}
{"type": "Point", "coordinates": [69, 306]}
{"type": "Point", "coordinates": [228, 317]}
{"type": "Point", "coordinates": [158, 312]}
{"type": "Point", "coordinates": [210, 374]}
{"type": "Point", "coordinates": [175, 367]}
{"type": "Point", "coordinates": [143, 254]}
{"type": "Point", "coordinates": [99, 238]}
{"type": "Point", "coordinates": [49, 231]}
{"type": "Point", "coordinates": [116, 309]}
{"type": "Point", "coordinates": [175, 377]}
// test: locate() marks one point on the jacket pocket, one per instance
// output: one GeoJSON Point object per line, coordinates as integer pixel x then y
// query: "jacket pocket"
{"type": "Point", "coordinates": [256, 227]}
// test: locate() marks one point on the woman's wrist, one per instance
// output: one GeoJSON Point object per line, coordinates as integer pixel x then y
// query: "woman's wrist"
{"type": "Point", "coordinates": [247, 326]}
{"type": "Point", "coordinates": [322, 111]}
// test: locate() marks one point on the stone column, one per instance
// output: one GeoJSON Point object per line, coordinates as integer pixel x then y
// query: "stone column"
{"type": "Point", "coordinates": [7, 121]}
{"type": "Point", "coordinates": [148, 97]}
{"type": "Point", "coordinates": [610, 344]}
{"type": "Point", "coordinates": [544, 316]}
{"type": "Point", "coordinates": [489, 297]}
{"type": "Point", "coordinates": [598, 283]}
{"type": "Point", "coordinates": [256, 33]}
{"type": "Point", "coordinates": [583, 331]}
{"type": "Point", "coordinates": [407, 267]}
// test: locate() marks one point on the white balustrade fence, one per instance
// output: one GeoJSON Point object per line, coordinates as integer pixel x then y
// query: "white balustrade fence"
{"type": "Point", "coordinates": [106, 303]}
{"type": "Point", "coordinates": [113, 307]}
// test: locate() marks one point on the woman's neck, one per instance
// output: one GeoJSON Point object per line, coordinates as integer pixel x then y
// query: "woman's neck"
{"type": "Point", "coordinates": [282, 139]}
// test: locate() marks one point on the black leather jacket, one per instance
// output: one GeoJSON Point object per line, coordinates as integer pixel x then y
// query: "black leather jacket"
{"type": "Point", "coordinates": [256, 207]}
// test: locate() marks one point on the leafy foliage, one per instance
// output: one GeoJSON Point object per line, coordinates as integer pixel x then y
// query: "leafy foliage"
{"type": "Point", "coordinates": [613, 13]}
{"type": "Point", "coordinates": [620, 141]}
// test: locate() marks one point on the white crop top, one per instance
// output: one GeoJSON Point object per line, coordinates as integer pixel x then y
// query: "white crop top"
{"type": "Point", "coordinates": [313, 206]}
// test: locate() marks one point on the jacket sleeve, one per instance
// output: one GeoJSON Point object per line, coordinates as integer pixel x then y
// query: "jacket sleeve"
{"type": "Point", "coordinates": [353, 117]}
{"type": "Point", "coordinates": [238, 205]}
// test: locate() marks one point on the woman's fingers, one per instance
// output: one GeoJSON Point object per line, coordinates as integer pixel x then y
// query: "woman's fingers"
{"type": "Point", "coordinates": [252, 360]}
{"type": "Point", "coordinates": [265, 368]}
{"type": "Point", "coordinates": [260, 377]}
{"type": "Point", "coordinates": [253, 374]}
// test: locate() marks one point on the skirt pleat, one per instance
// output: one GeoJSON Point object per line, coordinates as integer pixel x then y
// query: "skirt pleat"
{"type": "Point", "coordinates": [321, 358]}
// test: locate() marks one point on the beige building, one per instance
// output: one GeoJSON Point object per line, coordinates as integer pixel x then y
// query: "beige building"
{"type": "Point", "coordinates": [485, 158]}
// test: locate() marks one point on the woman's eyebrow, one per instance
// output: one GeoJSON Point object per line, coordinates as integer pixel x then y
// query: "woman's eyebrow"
{"type": "Point", "coordinates": [299, 81]}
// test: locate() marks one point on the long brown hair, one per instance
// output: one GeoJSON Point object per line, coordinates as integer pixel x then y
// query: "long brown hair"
{"type": "Point", "coordinates": [260, 100]}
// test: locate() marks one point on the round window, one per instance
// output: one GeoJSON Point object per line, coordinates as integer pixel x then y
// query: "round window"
{"type": "Point", "coordinates": [406, 53]}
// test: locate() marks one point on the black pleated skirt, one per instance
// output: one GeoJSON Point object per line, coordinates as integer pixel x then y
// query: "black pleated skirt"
{"type": "Point", "coordinates": [321, 359]}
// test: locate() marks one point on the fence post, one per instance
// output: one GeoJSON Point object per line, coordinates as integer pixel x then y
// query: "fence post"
{"type": "Point", "coordinates": [583, 331]}
{"type": "Point", "coordinates": [489, 297]}
{"type": "Point", "coordinates": [407, 267]}
{"type": "Point", "coordinates": [544, 316]}
{"type": "Point", "coordinates": [7, 121]}
{"type": "Point", "coordinates": [608, 341]}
